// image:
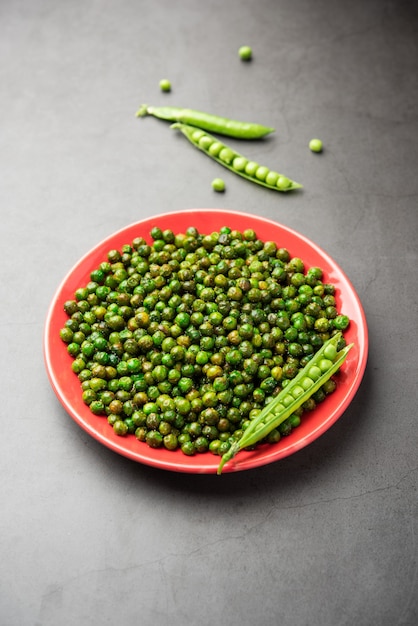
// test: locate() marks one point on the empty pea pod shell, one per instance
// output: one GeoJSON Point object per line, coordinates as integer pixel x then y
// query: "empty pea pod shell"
{"type": "Point", "coordinates": [207, 121]}
{"type": "Point", "coordinates": [235, 162]}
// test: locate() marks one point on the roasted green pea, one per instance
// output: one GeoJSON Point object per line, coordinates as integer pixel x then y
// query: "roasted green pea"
{"type": "Point", "coordinates": [120, 428]}
{"type": "Point", "coordinates": [154, 439]}
{"type": "Point", "coordinates": [341, 322]}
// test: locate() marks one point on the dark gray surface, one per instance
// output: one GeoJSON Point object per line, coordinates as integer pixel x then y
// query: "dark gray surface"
{"type": "Point", "coordinates": [326, 537]}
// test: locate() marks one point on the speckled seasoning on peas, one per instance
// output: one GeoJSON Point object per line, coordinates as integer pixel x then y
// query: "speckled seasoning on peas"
{"type": "Point", "coordinates": [182, 342]}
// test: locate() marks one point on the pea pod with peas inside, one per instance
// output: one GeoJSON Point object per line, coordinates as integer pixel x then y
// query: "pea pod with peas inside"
{"type": "Point", "coordinates": [235, 162]}
{"type": "Point", "coordinates": [207, 121]}
{"type": "Point", "coordinates": [320, 368]}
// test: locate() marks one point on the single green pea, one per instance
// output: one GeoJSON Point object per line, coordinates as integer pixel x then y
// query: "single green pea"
{"type": "Point", "coordinates": [283, 182]}
{"type": "Point", "coordinates": [215, 148]}
{"type": "Point", "coordinates": [170, 441]}
{"type": "Point", "coordinates": [306, 383]}
{"type": "Point", "coordinates": [287, 400]}
{"type": "Point", "coordinates": [297, 391]}
{"type": "Point", "coordinates": [154, 439]}
{"type": "Point", "coordinates": [197, 134]}
{"type": "Point", "coordinates": [314, 372]}
{"type": "Point", "coordinates": [272, 178]}
{"type": "Point", "coordinates": [245, 53]}
{"type": "Point", "coordinates": [73, 348]}
{"type": "Point", "coordinates": [285, 428]}
{"type": "Point", "coordinates": [261, 172]}
{"type": "Point", "coordinates": [78, 365]}
{"type": "Point", "coordinates": [66, 334]}
{"type": "Point", "coordinates": [165, 85]}
{"type": "Point", "coordinates": [226, 155]}
{"type": "Point", "coordinates": [330, 352]}
{"type": "Point", "coordinates": [294, 420]}
{"type": "Point", "coordinates": [274, 436]}
{"type": "Point", "coordinates": [315, 145]}
{"type": "Point", "coordinates": [329, 386]}
{"type": "Point", "coordinates": [120, 428]}
{"type": "Point", "coordinates": [205, 142]}
{"type": "Point", "coordinates": [324, 365]}
{"type": "Point", "coordinates": [341, 322]}
{"type": "Point", "coordinates": [239, 163]}
{"type": "Point", "coordinates": [218, 184]}
{"type": "Point", "coordinates": [251, 168]}
{"type": "Point", "coordinates": [201, 444]}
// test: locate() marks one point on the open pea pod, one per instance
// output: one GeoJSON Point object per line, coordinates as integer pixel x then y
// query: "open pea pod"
{"type": "Point", "coordinates": [320, 368]}
{"type": "Point", "coordinates": [235, 162]}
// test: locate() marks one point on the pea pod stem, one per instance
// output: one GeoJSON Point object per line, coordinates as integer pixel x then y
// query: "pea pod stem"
{"type": "Point", "coordinates": [234, 161]}
{"type": "Point", "coordinates": [267, 420]}
{"type": "Point", "coordinates": [207, 121]}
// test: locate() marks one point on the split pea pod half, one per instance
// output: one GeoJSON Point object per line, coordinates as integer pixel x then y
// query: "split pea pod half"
{"type": "Point", "coordinates": [207, 121]}
{"type": "Point", "coordinates": [236, 162]}
{"type": "Point", "coordinates": [320, 368]}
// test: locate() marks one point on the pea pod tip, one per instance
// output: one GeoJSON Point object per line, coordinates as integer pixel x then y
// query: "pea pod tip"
{"type": "Point", "coordinates": [142, 111]}
{"type": "Point", "coordinates": [228, 456]}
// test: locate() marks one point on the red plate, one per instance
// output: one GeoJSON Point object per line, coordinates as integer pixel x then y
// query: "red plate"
{"type": "Point", "coordinates": [67, 386]}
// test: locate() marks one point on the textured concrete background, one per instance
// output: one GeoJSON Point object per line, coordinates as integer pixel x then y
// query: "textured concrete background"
{"type": "Point", "coordinates": [326, 537]}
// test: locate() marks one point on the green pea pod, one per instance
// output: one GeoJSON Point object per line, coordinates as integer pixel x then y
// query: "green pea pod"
{"type": "Point", "coordinates": [300, 389]}
{"type": "Point", "coordinates": [235, 162]}
{"type": "Point", "coordinates": [207, 121]}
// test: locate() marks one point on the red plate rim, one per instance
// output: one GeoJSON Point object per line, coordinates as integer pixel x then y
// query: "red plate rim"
{"type": "Point", "coordinates": [67, 387]}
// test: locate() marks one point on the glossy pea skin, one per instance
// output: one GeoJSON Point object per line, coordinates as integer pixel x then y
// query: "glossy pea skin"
{"type": "Point", "coordinates": [165, 84]}
{"type": "Point", "coordinates": [218, 184]}
{"type": "Point", "coordinates": [341, 322]}
{"type": "Point", "coordinates": [315, 145]}
{"type": "Point", "coordinates": [202, 338]}
{"type": "Point", "coordinates": [245, 53]}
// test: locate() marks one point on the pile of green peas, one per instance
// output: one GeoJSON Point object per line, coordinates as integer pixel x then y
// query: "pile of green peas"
{"type": "Point", "coordinates": [182, 341]}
